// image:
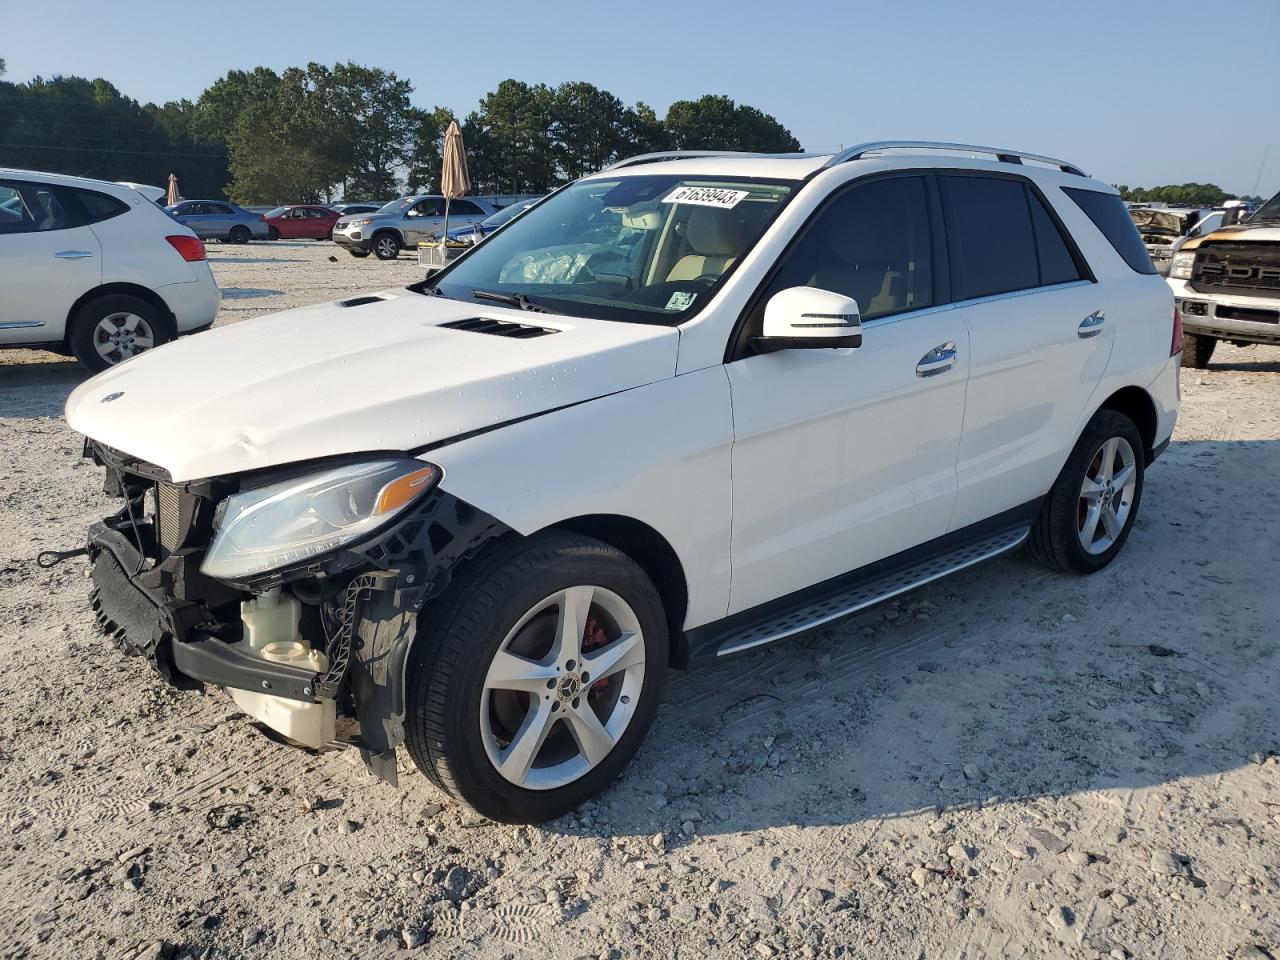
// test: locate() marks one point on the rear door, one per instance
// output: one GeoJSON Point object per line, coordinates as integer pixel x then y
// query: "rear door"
{"type": "Point", "coordinates": [50, 258]}
{"type": "Point", "coordinates": [847, 456]}
{"type": "Point", "coordinates": [1039, 339]}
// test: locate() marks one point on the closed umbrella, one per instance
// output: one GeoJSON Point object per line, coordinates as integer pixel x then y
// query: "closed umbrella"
{"type": "Point", "coordinates": [454, 181]}
{"type": "Point", "coordinates": [173, 196]}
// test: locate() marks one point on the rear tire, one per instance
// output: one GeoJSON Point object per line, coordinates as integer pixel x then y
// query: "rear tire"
{"type": "Point", "coordinates": [239, 234]}
{"type": "Point", "coordinates": [1066, 522]}
{"type": "Point", "coordinates": [109, 330]}
{"type": "Point", "coordinates": [490, 665]}
{"type": "Point", "coordinates": [386, 246]}
{"type": "Point", "coordinates": [1197, 349]}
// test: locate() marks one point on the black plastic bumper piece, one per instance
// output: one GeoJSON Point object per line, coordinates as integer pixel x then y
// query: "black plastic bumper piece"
{"type": "Point", "coordinates": [143, 621]}
{"type": "Point", "coordinates": [210, 660]}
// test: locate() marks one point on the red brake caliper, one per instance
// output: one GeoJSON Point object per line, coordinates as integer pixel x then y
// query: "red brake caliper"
{"type": "Point", "coordinates": [592, 638]}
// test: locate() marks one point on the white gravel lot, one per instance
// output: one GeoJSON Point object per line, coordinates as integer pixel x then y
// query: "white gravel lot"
{"type": "Point", "coordinates": [1009, 763]}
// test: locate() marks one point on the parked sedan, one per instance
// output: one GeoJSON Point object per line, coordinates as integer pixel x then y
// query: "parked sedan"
{"type": "Point", "coordinates": [300, 222]}
{"type": "Point", "coordinates": [220, 220]}
{"type": "Point", "coordinates": [472, 233]}
{"type": "Point", "coordinates": [402, 223]}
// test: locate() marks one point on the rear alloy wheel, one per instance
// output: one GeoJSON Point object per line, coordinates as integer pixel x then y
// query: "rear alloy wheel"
{"type": "Point", "coordinates": [386, 246]}
{"type": "Point", "coordinates": [115, 328]}
{"type": "Point", "coordinates": [535, 678]}
{"type": "Point", "coordinates": [239, 234]}
{"type": "Point", "coordinates": [1087, 516]}
{"type": "Point", "coordinates": [1197, 349]}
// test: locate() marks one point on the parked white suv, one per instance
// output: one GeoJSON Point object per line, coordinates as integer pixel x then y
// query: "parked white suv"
{"type": "Point", "coordinates": [95, 269]}
{"type": "Point", "coordinates": [679, 409]}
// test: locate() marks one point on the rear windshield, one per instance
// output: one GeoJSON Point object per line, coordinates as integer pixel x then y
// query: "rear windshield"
{"type": "Point", "coordinates": [1108, 214]}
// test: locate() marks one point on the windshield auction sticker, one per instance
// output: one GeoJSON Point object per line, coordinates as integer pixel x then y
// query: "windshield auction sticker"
{"type": "Point", "coordinates": [706, 197]}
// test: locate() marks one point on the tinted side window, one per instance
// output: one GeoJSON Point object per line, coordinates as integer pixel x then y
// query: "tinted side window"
{"type": "Point", "coordinates": [219, 209]}
{"type": "Point", "coordinates": [98, 206]}
{"type": "Point", "coordinates": [465, 208]}
{"type": "Point", "coordinates": [1108, 214]}
{"type": "Point", "coordinates": [871, 243]}
{"type": "Point", "coordinates": [31, 208]}
{"type": "Point", "coordinates": [989, 236]}
{"type": "Point", "coordinates": [1057, 265]}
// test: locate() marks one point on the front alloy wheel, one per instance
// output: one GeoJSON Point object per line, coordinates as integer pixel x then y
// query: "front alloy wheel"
{"type": "Point", "coordinates": [534, 678]}
{"type": "Point", "coordinates": [386, 246]}
{"type": "Point", "coordinates": [562, 688]}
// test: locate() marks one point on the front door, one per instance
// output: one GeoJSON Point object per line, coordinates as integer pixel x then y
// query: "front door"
{"type": "Point", "coordinates": [423, 220]}
{"type": "Point", "coordinates": [48, 262]}
{"type": "Point", "coordinates": [844, 457]}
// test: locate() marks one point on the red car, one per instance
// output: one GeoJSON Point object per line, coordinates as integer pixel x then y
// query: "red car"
{"type": "Point", "coordinates": [303, 221]}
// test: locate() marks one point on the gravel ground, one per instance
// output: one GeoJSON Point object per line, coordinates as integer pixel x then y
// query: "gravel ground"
{"type": "Point", "coordinates": [1007, 763]}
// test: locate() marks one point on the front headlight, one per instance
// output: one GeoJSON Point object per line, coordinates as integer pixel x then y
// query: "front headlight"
{"type": "Point", "coordinates": [287, 523]}
{"type": "Point", "coordinates": [359, 223]}
{"type": "Point", "coordinates": [1180, 268]}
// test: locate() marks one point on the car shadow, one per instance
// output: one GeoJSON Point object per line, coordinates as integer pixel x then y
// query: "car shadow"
{"type": "Point", "coordinates": [38, 389]}
{"type": "Point", "coordinates": [1263, 366]}
{"type": "Point", "coordinates": [1004, 681]}
{"type": "Point", "coordinates": [272, 260]}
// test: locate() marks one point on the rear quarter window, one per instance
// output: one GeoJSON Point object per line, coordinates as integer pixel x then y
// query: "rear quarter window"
{"type": "Point", "coordinates": [97, 207]}
{"type": "Point", "coordinates": [1108, 214]}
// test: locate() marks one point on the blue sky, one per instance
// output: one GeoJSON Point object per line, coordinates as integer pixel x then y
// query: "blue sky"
{"type": "Point", "coordinates": [1113, 86]}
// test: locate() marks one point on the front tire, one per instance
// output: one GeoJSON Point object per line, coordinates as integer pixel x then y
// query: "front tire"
{"type": "Point", "coordinates": [111, 329]}
{"type": "Point", "coordinates": [273, 233]}
{"type": "Point", "coordinates": [1197, 349]}
{"type": "Point", "coordinates": [1086, 518]}
{"type": "Point", "coordinates": [386, 246]}
{"type": "Point", "coordinates": [535, 677]}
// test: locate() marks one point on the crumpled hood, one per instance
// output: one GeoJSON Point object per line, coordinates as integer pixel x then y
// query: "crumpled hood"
{"type": "Point", "coordinates": [1237, 233]}
{"type": "Point", "coordinates": [328, 379]}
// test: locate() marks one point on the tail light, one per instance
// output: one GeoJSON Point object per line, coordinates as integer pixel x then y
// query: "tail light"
{"type": "Point", "coordinates": [1175, 347]}
{"type": "Point", "coordinates": [190, 248]}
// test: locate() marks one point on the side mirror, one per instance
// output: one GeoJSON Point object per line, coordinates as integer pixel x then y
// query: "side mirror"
{"type": "Point", "coordinates": [806, 318]}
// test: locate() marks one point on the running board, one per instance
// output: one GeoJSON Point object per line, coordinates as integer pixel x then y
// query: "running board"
{"type": "Point", "coordinates": [853, 592]}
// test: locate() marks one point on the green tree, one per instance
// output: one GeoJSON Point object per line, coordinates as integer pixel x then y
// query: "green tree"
{"type": "Point", "coordinates": [1190, 194]}
{"type": "Point", "coordinates": [643, 131]}
{"type": "Point", "coordinates": [509, 139]}
{"type": "Point", "coordinates": [379, 127]}
{"type": "Point", "coordinates": [427, 155]}
{"type": "Point", "coordinates": [717, 123]}
{"type": "Point", "coordinates": [587, 128]}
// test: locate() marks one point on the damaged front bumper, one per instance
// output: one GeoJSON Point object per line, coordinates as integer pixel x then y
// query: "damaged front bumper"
{"type": "Point", "coordinates": [340, 678]}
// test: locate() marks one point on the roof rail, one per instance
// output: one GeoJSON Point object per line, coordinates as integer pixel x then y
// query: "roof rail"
{"type": "Point", "coordinates": [683, 155]}
{"type": "Point", "coordinates": [1005, 156]}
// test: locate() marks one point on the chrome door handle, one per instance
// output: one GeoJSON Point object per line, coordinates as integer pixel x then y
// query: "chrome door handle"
{"type": "Point", "coordinates": [1091, 325]}
{"type": "Point", "coordinates": [73, 254]}
{"type": "Point", "coordinates": [938, 360]}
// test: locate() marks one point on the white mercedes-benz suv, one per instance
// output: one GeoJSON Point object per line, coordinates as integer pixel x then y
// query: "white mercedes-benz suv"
{"type": "Point", "coordinates": [95, 269]}
{"type": "Point", "coordinates": [686, 406]}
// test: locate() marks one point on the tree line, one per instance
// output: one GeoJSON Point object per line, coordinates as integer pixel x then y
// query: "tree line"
{"type": "Point", "coordinates": [320, 133]}
{"type": "Point", "coordinates": [1190, 194]}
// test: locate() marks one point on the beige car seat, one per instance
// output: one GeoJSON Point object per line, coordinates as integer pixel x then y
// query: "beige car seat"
{"type": "Point", "coordinates": [714, 236]}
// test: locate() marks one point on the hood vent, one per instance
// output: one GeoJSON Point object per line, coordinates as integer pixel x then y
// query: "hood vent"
{"type": "Point", "coordinates": [499, 328]}
{"type": "Point", "coordinates": [360, 301]}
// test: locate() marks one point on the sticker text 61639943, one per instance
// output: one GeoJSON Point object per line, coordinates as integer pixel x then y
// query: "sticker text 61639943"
{"type": "Point", "coordinates": [706, 197]}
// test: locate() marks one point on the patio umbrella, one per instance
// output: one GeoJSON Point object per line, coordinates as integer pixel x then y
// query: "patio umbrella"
{"type": "Point", "coordinates": [173, 196]}
{"type": "Point", "coordinates": [454, 181]}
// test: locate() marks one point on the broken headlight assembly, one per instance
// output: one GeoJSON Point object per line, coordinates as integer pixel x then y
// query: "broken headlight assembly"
{"type": "Point", "coordinates": [286, 523]}
{"type": "Point", "coordinates": [1180, 267]}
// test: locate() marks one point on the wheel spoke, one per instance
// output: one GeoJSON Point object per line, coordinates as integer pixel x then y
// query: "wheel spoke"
{"type": "Point", "coordinates": [1124, 477]}
{"type": "Point", "coordinates": [626, 651]}
{"type": "Point", "coordinates": [516, 760]}
{"type": "Point", "coordinates": [1111, 522]}
{"type": "Point", "coordinates": [511, 672]}
{"type": "Point", "coordinates": [1090, 528]}
{"type": "Point", "coordinates": [575, 605]}
{"type": "Point", "coordinates": [1108, 459]}
{"type": "Point", "coordinates": [592, 738]}
{"type": "Point", "coordinates": [131, 323]}
{"type": "Point", "coordinates": [1091, 490]}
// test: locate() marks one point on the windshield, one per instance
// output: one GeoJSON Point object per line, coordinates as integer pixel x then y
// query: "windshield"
{"type": "Point", "coordinates": [1160, 221]}
{"type": "Point", "coordinates": [648, 249]}
{"type": "Point", "coordinates": [1269, 210]}
{"type": "Point", "coordinates": [506, 213]}
{"type": "Point", "coordinates": [276, 212]}
{"type": "Point", "coordinates": [395, 206]}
